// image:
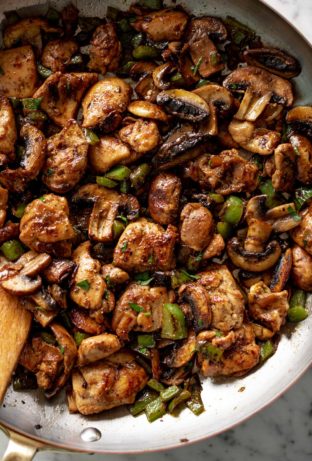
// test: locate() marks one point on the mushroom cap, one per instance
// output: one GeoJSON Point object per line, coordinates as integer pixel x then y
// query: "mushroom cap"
{"type": "Point", "coordinates": [261, 81]}
{"type": "Point", "coordinates": [184, 104]}
{"type": "Point", "coordinates": [300, 119]}
{"type": "Point", "coordinates": [217, 95]}
{"type": "Point", "coordinates": [251, 261]}
{"type": "Point", "coordinates": [274, 60]}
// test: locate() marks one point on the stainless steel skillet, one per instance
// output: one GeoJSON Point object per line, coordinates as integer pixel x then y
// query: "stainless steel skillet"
{"type": "Point", "coordinates": [35, 423]}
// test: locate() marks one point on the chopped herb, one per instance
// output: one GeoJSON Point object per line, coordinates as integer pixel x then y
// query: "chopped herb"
{"type": "Point", "coordinates": [302, 195]}
{"type": "Point", "coordinates": [84, 285]}
{"type": "Point", "coordinates": [218, 334]}
{"type": "Point", "coordinates": [136, 307]}
{"type": "Point", "coordinates": [122, 218]}
{"type": "Point", "coordinates": [197, 66]}
{"type": "Point", "coordinates": [190, 276]}
{"type": "Point", "coordinates": [42, 198]}
{"type": "Point", "coordinates": [143, 350]}
{"type": "Point", "coordinates": [143, 278]}
{"type": "Point", "coordinates": [79, 337]}
{"type": "Point", "coordinates": [50, 172]}
{"type": "Point", "coordinates": [124, 247]}
{"type": "Point", "coordinates": [146, 340]}
{"type": "Point", "coordinates": [293, 214]}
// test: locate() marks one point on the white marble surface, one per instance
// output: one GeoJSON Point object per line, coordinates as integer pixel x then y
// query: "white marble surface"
{"type": "Point", "coordinates": [282, 432]}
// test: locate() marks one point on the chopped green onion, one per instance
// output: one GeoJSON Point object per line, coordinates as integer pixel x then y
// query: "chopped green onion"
{"type": "Point", "coordinates": [138, 175]}
{"type": "Point", "coordinates": [224, 229]}
{"type": "Point", "coordinates": [79, 337]}
{"type": "Point", "coordinates": [195, 404]}
{"type": "Point", "coordinates": [136, 307]}
{"type": "Point", "coordinates": [118, 173]}
{"type": "Point", "coordinates": [30, 104]}
{"type": "Point", "coordinates": [122, 218]}
{"type": "Point", "coordinates": [145, 52]}
{"type": "Point", "coordinates": [118, 228]}
{"type": "Point", "coordinates": [298, 298]}
{"type": "Point", "coordinates": [169, 393]}
{"type": "Point", "coordinates": [106, 182]}
{"type": "Point", "coordinates": [12, 249]}
{"type": "Point", "coordinates": [268, 189]}
{"type": "Point", "coordinates": [124, 187]}
{"type": "Point", "coordinates": [155, 385]}
{"type": "Point", "coordinates": [233, 210]}
{"type": "Point", "coordinates": [42, 198]}
{"type": "Point", "coordinates": [302, 196]}
{"type": "Point", "coordinates": [146, 341]}
{"type": "Point", "coordinates": [181, 276]}
{"type": "Point", "coordinates": [197, 65]}
{"type": "Point", "coordinates": [84, 285]}
{"type": "Point", "coordinates": [240, 33]}
{"type": "Point", "coordinates": [213, 353]}
{"type": "Point", "coordinates": [19, 210]}
{"type": "Point", "coordinates": [140, 405]}
{"type": "Point", "coordinates": [173, 322]}
{"type": "Point", "coordinates": [266, 350]}
{"type": "Point", "coordinates": [91, 137]}
{"type": "Point", "coordinates": [124, 247]}
{"type": "Point", "coordinates": [155, 410]}
{"type": "Point", "coordinates": [217, 198]}
{"type": "Point", "coordinates": [181, 398]}
{"type": "Point", "coordinates": [143, 278]}
{"type": "Point", "coordinates": [297, 314]}
{"type": "Point", "coordinates": [44, 71]}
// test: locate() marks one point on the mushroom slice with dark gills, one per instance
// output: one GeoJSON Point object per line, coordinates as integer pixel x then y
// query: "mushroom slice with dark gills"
{"type": "Point", "coordinates": [61, 94]}
{"type": "Point", "coordinates": [162, 25]}
{"type": "Point", "coordinates": [302, 268]}
{"type": "Point", "coordinates": [56, 54]}
{"type": "Point", "coordinates": [88, 285]}
{"type": "Point", "coordinates": [302, 234]}
{"type": "Point", "coordinates": [196, 296]}
{"type": "Point", "coordinates": [184, 104]}
{"type": "Point", "coordinates": [267, 307]}
{"type": "Point", "coordinates": [251, 260]}
{"type": "Point", "coordinates": [105, 49]}
{"type": "Point", "coordinates": [283, 178]}
{"type": "Point", "coordinates": [164, 198]}
{"type": "Point", "coordinates": [300, 120]}
{"type": "Point", "coordinates": [45, 225]}
{"type": "Point", "coordinates": [139, 308]}
{"type": "Point", "coordinates": [282, 272]}
{"type": "Point", "coordinates": [182, 354]}
{"type": "Point", "coordinates": [283, 217]}
{"type": "Point", "coordinates": [21, 84]}
{"type": "Point", "coordinates": [200, 35]}
{"type": "Point", "coordinates": [225, 173]}
{"type": "Point", "coordinates": [273, 60]}
{"type": "Point", "coordinates": [242, 356]}
{"type": "Point", "coordinates": [31, 163]}
{"type": "Point", "coordinates": [8, 134]}
{"type": "Point", "coordinates": [108, 383]}
{"type": "Point", "coordinates": [144, 246]}
{"type": "Point", "coordinates": [303, 148]}
{"type": "Point", "coordinates": [105, 102]}
{"type": "Point", "coordinates": [66, 158]}
{"type": "Point", "coordinates": [196, 227]}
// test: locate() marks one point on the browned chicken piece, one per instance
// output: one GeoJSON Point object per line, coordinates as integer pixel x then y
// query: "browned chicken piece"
{"type": "Point", "coordinates": [105, 102]}
{"type": "Point", "coordinates": [196, 226]}
{"type": "Point", "coordinates": [302, 268]}
{"type": "Point", "coordinates": [31, 163]}
{"type": "Point", "coordinates": [147, 317]}
{"type": "Point", "coordinates": [97, 348]}
{"type": "Point", "coordinates": [285, 168]}
{"type": "Point", "coordinates": [8, 134]}
{"type": "Point", "coordinates": [109, 152]}
{"type": "Point", "coordinates": [267, 307]}
{"type": "Point", "coordinates": [261, 332]}
{"type": "Point", "coordinates": [224, 297]}
{"type": "Point", "coordinates": [21, 84]}
{"type": "Point", "coordinates": [224, 341]}
{"type": "Point", "coordinates": [257, 140]}
{"type": "Point", "coordinates": [61, 94]}
{"type": "Point", "coordinates": [9, 231]}
{"type": "Point", "coordinates": [82, 320]}
{"type": "Point", "coordinates": [164, 198]}
{"type": "Point", "coordinates": [105, 49]}
{"type": "Point", "coordinates": [162, 25]}
{"type": "Point", "coordinates": [142, 136]}
{"type": "Point", "coordinates": [114, 275]}
{"type": "Point", "coordinates": [235, 361]}
{"type": "Point", "coordinates": [145, 245]}
{"type": "Point", "coordinates": [59, 270]}
{"type": "Point", "coordinates": [107, 384]}
{"type": "Point", "coordinates": [56, 54]}
{"type": "Point", "coordinates": [303, 148]}
{"type": "Point", "coordinates": [43, 359]}
{"type": "Point", "coordinates": [215, 247]}
{"type": "Point", "coordinates": [27, 31]}
{"type": "Point", "coordinates": [302, 234]}
{"type": "Point", "coordinates": [66, 158]}
{"type": "Point", "coordinates": [45, 223]}
{"type": "Point", "coordinates": [225, 173]}
{"type": "Point", "coordinates": [88, 286]}
{"type": "Point", "coordinates": [182, 354]}
{"type": "Point", "coordinates": [4, 195]}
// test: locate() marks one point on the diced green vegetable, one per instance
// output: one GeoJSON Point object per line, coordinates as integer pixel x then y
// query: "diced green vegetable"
{"type": "Point", "coordinates": [302, 196]}
{"type": "Point", "coordinates": [298, 298]}
{"type": "Point", "coordinates": [137, 40]}
{"type": "Point", "coordinates": [217, 198]}
{"type": "Point", "coordinates": [173, 322]}
{"type": "Point", "coordinates": [146, 341]}
{"type": "Point", "coordinates": [138, 175]}
{"type": "Point", "coordinates": [213, 353]}
{"type": "Point", "coordinates": [181, 398]}
{"type": "Point", "coordinates": [118, 173]}
{"type": "Point", "coordinates": [224, 229]}
{"type": "Point", "coordinates": [268, 189]}
{"type": "Point", "coordinates": [136, 307]}
{"type": "Point", "coordinates": [143, 278]}
{"type": "Point", "coordinates": [151, 4]}
{"type": "Point", "coordinates": [48, 337]}
{"type": "Point", "coordinates": [266, 350]}
{"type": "Point", "coordinates": [295, 216]}
{"type": "Point", "coordinates": [106, 182]}
{"type": "Point", "coordinates": [195, 404]}
{"type": "Point", "coordinates": [30, 104]}
{"type": "Point", "coordinates": [155, 385]}
{"type": "Point", "coordinates": [155, 410]}
{"type": "Point", "coordinates": [233, 210]}
{"type": "Point", "coordinates": [145, 52]}
{"type": "Point", "coordinates": [169, 393]}
{"type": "Point", "coordinates": [124, 187]}
{"type": "Point", "coordinates": [297, 314]}
{"type": "Point", "coordinates": [181, 276]}
{"type": "Point", "coordinates": [44, 71]}
{"type": "Point", "coordinates": [12, 249]}
{"type": "Point", "coordinates": [79, 337]}
{"type": "Point", "coordinates": [140, 405]}
{"type": "Point", "coordinates": [91, 137]}
{"type": "Point", "coordinates": [19, 210]}
{"type": "Point", "coordinates": [118, 228]}
{"type": "Point", "coordinates": [84, 285]}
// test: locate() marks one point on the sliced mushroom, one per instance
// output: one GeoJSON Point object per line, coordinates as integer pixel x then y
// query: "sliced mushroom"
{"type": "Point", "coordinates": [164, 198]}
{"type": "Point", "coordinates": [61, 94]}
{"type": "Point", "coordinates": [184, 104]}
{"type": "Point", "coordinates": [8, 134]}
{"type": "Point", "coordinates": [162, 25]}
{"type": "Point", "coordinates": [196, 226]}
{"type": "Point", "coordinates": [303, 148]}
{"type": "Point", "coordinates": [33, 263]}
{"type": "Point", "coordinates": [285, 168]}
{"type": "Point", "coordinates": [182, 355]}
{"type": "Point", "coordinates": [283, 217]}
{"type": "Point", "coordinates": [21, 84]}
{"type": "Point", "coordinates": [274, 60]}
{"type": "Point", "coordinates": [251, 261]}
{"type": "Point", "coordinates": [257, 140]}
{"type": "Point", "coordinates": [300, 119]}
{"type": "Point", "coordinates": [44, 301]}
{"type": "Point", "coordinates": [146, 109]}
{"type": "Point", "coordinates": [146, 89]}
{"type": "Point", "coordinates": [257, 235]}
{"type": "Point", "coordinates": [105, 49]}
{"type": "Point", "coordinates": [256, 207]}
{"type": "Point", "coordinates": [302, 268]}
{"type": "Point", "coordinates": [56, 54]}
{"type": "Point", "coordinates": [21, 285]}
{"type": "Point", "coordinates": [142, 136]}
{"type": "Point", "coordinates": [161, 75]}
{"type": "Point", "coordinates": [141, 68]}
{"type": "Point", "coordinates": [105, 102]}
{"type": "Point", "coordinates": [196, 296]}
{"type": "Point", "coordinates": [282, 272]}
{"type": "Point", "coordinates": [97, 348]}
{"type": "Point", "coordinates": [81, 319]}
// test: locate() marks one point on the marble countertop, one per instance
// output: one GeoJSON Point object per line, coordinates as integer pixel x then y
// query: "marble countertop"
{"type": "Point", "coordinates": [281, 432]}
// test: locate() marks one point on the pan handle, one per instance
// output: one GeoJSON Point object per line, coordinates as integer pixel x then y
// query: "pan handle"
{"type": "Point", "coordinates": [20, 448]}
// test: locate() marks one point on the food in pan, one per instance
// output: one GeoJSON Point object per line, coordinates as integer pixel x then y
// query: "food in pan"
{"type": "Point", "coordinates": [155, 215]}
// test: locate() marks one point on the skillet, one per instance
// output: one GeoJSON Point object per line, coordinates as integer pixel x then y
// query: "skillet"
{"type": "Point", "coordinates": [34, 423]}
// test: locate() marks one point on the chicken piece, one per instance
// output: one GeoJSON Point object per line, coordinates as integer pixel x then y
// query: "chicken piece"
{"type": "Point", "coordinates": [109, 152]}
{"type": "Point", "coordinates": [45, 224]}
{"type": "Point", "coordinates": [164, 198]}
{"type": "Point", "coordinates": [114, 275]}
{"type": "Point", "coordinates": [257, 140]}
{"type": "Point", "coordinates": [303, 147]}
{"type": "Point", "coordinates": [97, 348]}
{"type": "Point", "coordinates": [162, 25]}
{"type": "Point", "coordinates": [302, 268]}
{"type": "Point", "coordinates": [66, 159]}
{"type": "Point", "coordinates": [267, 307]}
{"type": "Point", "coordinates": [107, 384]}
{"type": "Point", "coordinates": [105, 49]}
{"type": "Point", "coordinates": [56, 54]}
{"type": "Point", "coordinates": [31, 163]}
{"type": "Point", "coordinates": [225, 173]}
{"type": "Point", "coordinates": [285, 168]}
{"type": "Point", "coordinates": [27, 31]}
{"type": "Point", "coordinates": [146, 246]}
{"type": "Point", "coordinates": [43, 359]}
{"type": "Point", "coordinates": [88, 286]}
{"type": "Point", "coordinates": [302, 234]}
{"type": "Point", "coordinates": [182, 354]}
{"type": "Point", "coordinates": [196, 226]}
{"type": "Point", "coordinates": [105, 102]}
{"type": "Point", "coordinates": [4, 195]}
{"type": "Point", "coordinates": [147, 317]}
{"type": "Point", "coordinates": [21, 84]}
{"type": "Point", "coordinates": [235, 361]}
{"type": "Point", "coordinates": [82, 320]}
{"type": "Point", "coordinates": [214, 248]}
{"type": "Point", "coordinates": [59, 270]}
{"type": "Point", "coordinates": [8, 134]}
{"type": "Point", "coordinates": [142, 136]}
{"type": "Point", "coordinates": [61, 94]}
